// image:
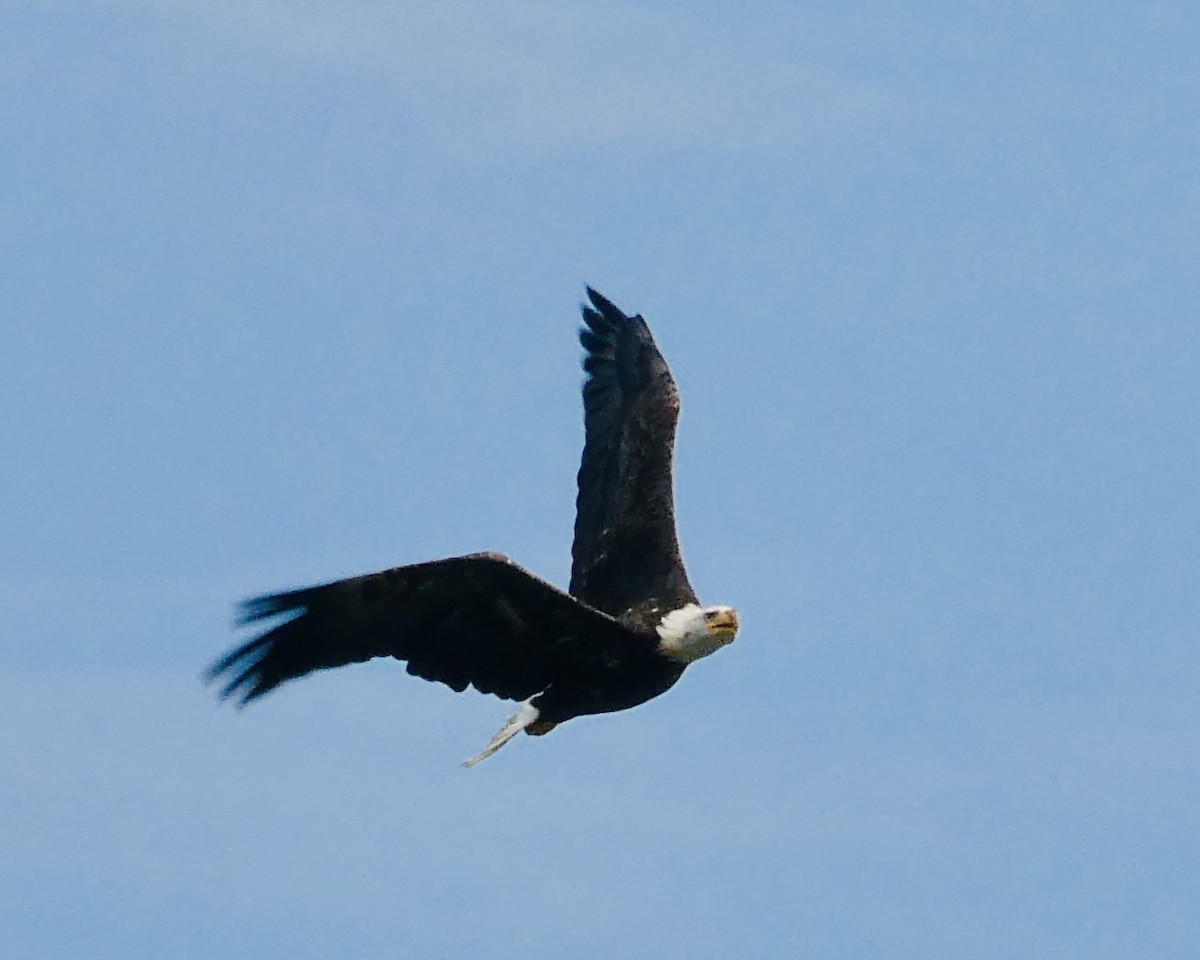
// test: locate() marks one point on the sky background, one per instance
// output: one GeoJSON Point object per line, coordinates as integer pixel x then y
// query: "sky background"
{"type": "Point", "coordinates": [289, 293]}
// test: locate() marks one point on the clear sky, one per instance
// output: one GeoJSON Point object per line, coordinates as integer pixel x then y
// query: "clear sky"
{"type": "Point", "coordinates": [289, 292]}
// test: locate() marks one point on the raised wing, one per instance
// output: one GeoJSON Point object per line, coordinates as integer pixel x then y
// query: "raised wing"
{"type": "Point", "coordinates": [478, 620]}
{"type": "Point", "coordinates": [626, 551]}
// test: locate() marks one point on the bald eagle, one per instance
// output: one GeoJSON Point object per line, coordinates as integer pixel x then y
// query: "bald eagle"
{"type": "Point", "coordinates": [622, 634]}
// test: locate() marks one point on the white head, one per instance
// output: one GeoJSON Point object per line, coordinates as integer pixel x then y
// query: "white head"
{"type": "Point", "coordinates": [692, 632]}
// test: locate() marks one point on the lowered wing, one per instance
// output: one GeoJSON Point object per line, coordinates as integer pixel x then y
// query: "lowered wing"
{"type": "Point", "coordinates": [626, 550]}
{"type": "Point", "coordinates": [479, 620]}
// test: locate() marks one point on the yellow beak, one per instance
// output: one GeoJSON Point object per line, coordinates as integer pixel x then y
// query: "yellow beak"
{"type": "Point", "coordinates": [723, 624]}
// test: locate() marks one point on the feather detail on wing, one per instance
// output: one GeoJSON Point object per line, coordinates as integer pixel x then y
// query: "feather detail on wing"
{"type": "Point", "coordinates": [626, 550]}
{"type": "Point", "coordinates": [479, 620]}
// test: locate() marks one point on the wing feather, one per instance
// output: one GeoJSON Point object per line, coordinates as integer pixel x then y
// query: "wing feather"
{"type": "Point", "coordinates": [626, 549]}
{"type": "Point", "coordinates": [479, 621]}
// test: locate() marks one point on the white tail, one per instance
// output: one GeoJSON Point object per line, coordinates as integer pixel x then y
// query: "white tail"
{"type": "Point", "coordinates": [526, 715]}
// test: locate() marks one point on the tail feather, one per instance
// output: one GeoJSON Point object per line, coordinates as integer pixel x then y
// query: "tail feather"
{"type": "Point", "coordinates": [526, 715]}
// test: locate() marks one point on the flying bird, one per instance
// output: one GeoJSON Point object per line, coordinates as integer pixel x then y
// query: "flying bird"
{"type": "Point", "coordinates": [624, 631]}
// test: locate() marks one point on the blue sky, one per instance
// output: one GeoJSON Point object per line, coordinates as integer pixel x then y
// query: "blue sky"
{"type": "Point", "coordinates": [290, 293]}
